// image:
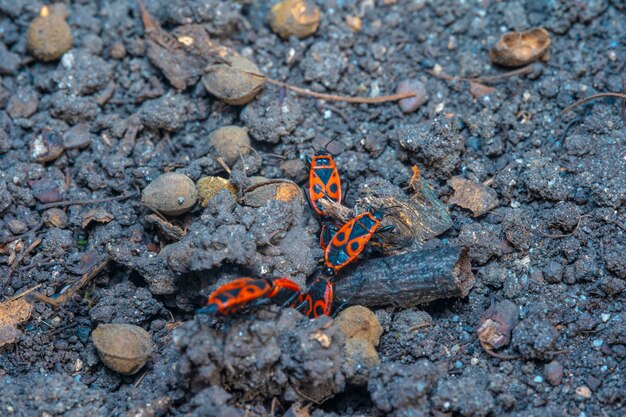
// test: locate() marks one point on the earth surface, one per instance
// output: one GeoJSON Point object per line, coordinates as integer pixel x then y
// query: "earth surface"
{"type": "Point", "coordinates": [553, 242]}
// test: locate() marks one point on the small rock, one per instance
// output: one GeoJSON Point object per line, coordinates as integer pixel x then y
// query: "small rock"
{"type": "Point", "coordinates": [299, 18]}
{"type": "Point", "coordinates": [23, 104]}
{"type": "Point", "coordinates": [49, 36]}
{"type": "Point", "coordinates": [77, 137]}
{"type": "Point", "coordinates": [515, 49]}
{"type": "Point", "coordinates": [358, 322]}
{"type": "Point", "coordinates": [209, 187]}
{"type": "Point", "coordinates": [9, 62]}
{"type": "Point", "coordinates": [171, 194]}
{"type": "Point", "coordinates": [5, 196]}
{"type": "Point", "coordinates": [235, 82]}
{"type": "Point", "coordinates": [475, 197]}
{"type": "Point", "coordinates": [583, 391]}
{"type": "Point", "coordinates": [55, 217]}
{"type": "Point", "coordinates": [409, 105]}
{"type": "Point", "coordinates": [124, 348]}
{"type": "Point", "coordinates": [17, 226]}
{"type": "Point", "coordinates": [496, 324]}
{"type": "Point", "coordinates": [553, 373]}
{"type": "Point", "coordinates": [117, 51]}
{"type": "Point", "coordinates": [46, 146]}
{"type": "Point", "coordinates": [229, 141]}
{"type": "Point", "coordinates": [359, 357]}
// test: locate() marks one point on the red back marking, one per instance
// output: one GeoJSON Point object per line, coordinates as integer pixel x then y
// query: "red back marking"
{"type": "Point", "coordinates": [319, 299]}
{"type": "Point", "coordinates": [350, 240]}
{"type": "Point", "coordinates": [231, 297]}
{"type": "Point", "coordinates": [323, 181]}
{"type": "Point", "coordinates": [285, 290]}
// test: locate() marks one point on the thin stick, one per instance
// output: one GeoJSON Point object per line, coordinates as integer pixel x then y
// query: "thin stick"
{"type": "Point", "coordinates": [221, 161]}
{"type": "Point", "coordinates": [83, 202]}
{"type": "Point", "coordinates": [498, 355]}
{"type": "Point", "coordinates": [61, 299]}
{"type": "Point", "coordinates": [19, 260]}
{"type": "Point", "coordinates": [593, 97]}
{"type": "Point", "coordinates": [15, 297]}
{"type": "Point", "coordinates": [520, 71]}
{"type": "Point", "coordinates": [332, 97]}
{"type": "Point", "coordinates": [544, 234]}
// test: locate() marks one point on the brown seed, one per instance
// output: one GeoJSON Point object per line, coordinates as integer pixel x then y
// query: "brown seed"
{"type": "Point", "coordinates": [300, 18]}
{"type": "Point", "coordinates": [280, 189]}
{"type": "Point", "coordinates": [170, 194]}
{"type": "Point", "coordinates": [236, 82]}
{"type": "Point", "coordinates": [124, 348]}
{"type": "Point", "coordinates": [49, 36]}
{"type": "Point", "coordinates": [360, 323]}
{"type": "Point", "coordinates": [359, 357]}
{"type": "Point", "coordinates": [409, 105]}
{"type": "Point", "coordinates": [55, 217]}
{"type": "Point", "coordinates": [515, 49]}
{"type": "Point", "coordinates": [46, 146]}
{"type": "Point", "coordinates": [209, 187]}
{"type": "Point", "coordinates": [228, 141]}
{"type": "Point", "coordinates": [117, 51]}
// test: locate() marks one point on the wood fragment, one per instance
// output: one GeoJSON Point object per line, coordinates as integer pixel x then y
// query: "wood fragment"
{"type": "Point", "coordinates": [408, 280]}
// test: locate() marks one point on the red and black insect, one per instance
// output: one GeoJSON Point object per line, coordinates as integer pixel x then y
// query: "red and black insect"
{"type": "Point", "coordinates": [318, 300]}
{"type": "Point", "coordinates": [244, 293]}
{"type": "Point", "coordinates": [351, 239]}
{"type": "Point", "coordinates": [326, 234]}
{"type": "Point", "coordinates": [324, 180]}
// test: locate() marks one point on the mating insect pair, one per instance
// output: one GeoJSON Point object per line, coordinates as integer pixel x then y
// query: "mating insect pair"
{"type": "Point", "coordinates": [342, 244]}
{"type": "Point", "coordinates": [244, 294]}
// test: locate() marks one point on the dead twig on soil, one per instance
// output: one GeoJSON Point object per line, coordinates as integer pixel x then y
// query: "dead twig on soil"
{"type": "Point", "coordinates": [84, 202]}
{"type": "Point", "coordinates": [72, 289]}
{"type": "Point", "coordinates": [498, 355]}
{"type": "Point", "coordinates": [490, 78]}
{"type": "Point", "coordinates": [558, 236]}
{"type": "Point", "coordinates": [333, 97]}
{"type": "Point", "coordinates": [594, 97]}
{"type": "Point", "coordinates": [19, 260]}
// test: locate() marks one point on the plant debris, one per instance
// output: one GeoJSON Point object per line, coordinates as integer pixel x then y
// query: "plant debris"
{"type": "Point", "coordinates": [475, 197]}
{"type": "Point", "coordinates": [516, 49]}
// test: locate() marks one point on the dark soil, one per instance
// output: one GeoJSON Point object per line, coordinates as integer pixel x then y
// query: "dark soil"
{"type": "Point", "coordinates": [555, 245]}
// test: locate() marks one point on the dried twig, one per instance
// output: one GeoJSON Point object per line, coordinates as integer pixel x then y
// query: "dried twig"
{"type": "Point", "coordinates": [86, 277]}
{"type": "Point", "coordinates": [83, 202]}
{"type": "Point", "coordinates": [498, 355]}
{"type": "Point", "coordinates": [19, 260]}
{"type": "Point", "coordinates": [333, 97]}
{"type": "Point", "coordinates": [593, 97]}
{"type": "Point", "coordinates": [490, 78]}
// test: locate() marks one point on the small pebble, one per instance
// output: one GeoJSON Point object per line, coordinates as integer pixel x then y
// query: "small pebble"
{"type": "Point", "coordinates": [171, 194]}
{"type": "Point", "coordinates": [553, 373]}
{"type": "Point", "coordinates": [538, 379]}
{"type": "Point", "coordinates": [583, 391]}
{"type": "Point", "coordinates": [515, 49]}
{"type": "Point", "coordinates": [605, 317]}
{"type": "Point", "coordinates": [117, 51]}
{"type": "Point", "coordinates": [55, 217]}
{"type": "Point", "coordinates": [299, 18]}
{"type": "Point", "coordinates": [77, 137]}
{"type": "Point", "coordinates": [597, 342]}
{"type": "Point", "coordinates": [49, 36]}
{"type": "Point", "coordinates": [409, 105]}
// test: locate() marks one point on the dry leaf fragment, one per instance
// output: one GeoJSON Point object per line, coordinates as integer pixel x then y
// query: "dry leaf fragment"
{"type": "Point", "coordinates": [13, 313]}
{"type": "Point", "coordinates": [99, 215]}
{"type": "Point", "coordinates": [168, 229]}
{"type": "Point", "coordinates": [477, 90]}
{"type": "Point", "coordinates": [475, 197]}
